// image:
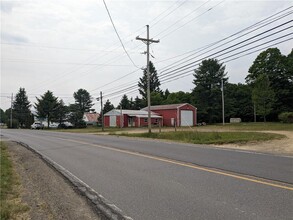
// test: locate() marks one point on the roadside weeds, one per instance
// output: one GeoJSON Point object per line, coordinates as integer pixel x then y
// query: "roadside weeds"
{"type": "Point", "coordinates": [45, 191]}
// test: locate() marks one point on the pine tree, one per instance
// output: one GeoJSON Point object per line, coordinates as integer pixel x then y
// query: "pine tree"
{"type": "Point", "coordinates": [21, 108]}
{"type": "Point", "coordinates": [108, 106]}
{"type": "Point", "coordinates": [124, 103]}
{"type": "Point", "coordinates": [207, 91]}
{"type": "Point", "coordinates": [46, 106]}
{"type": "Point", "coordinates": [154, 82]}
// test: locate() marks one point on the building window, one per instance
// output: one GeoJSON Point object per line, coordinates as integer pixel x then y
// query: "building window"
{"type": "Point", "coordinates": [145, 120]}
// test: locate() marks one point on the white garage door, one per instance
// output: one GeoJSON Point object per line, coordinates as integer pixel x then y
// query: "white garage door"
{"type": "Point", "coordinates": [186, 118]}
{"type": "Point", "coordinates": [112, 120]}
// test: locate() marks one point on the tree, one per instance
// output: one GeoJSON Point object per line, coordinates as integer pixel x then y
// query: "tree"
{"type": "Point", "coordinates": [3, 117]}
{"type": "Point", "coordinates": [206, 95]}
{"type": "Point", "coordinates": [263, 95]}
{"type": "Point", "coordinates": [83, 100]}
{"type": "Point", "coordinates": [238, 102]}
{"type": "Point", "coordinates": [21, 108]}
{"type": "Point", "coordinates": [124, 103]}
{"type": "Point", "coordinates": [154, 82]}
{"type": "Point", "coordinates": [178, 97]}
{"type": "Point", "coordinates": [108, 106]}
{"type": "Point", "coordinates": [46, 106]}
{"type": "Point", "coordinates": [138, 103]}
{"type": "Point", "coordinates": [61, 112]}
{"type": "Point", "coordinates": [156, 98]}
{"type": "Point", "coordinates": [278, 69]}
{"type": "Point", "coordinates": [83, 103]}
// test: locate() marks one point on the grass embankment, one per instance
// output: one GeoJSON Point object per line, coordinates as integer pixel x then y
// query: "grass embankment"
{"type": "Point", "coordinates": [10, 204]}
{"type": "Point", "coordinates": [197, 137]}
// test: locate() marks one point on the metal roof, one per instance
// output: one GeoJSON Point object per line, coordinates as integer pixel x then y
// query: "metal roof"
{"type": "Point", "coordinates": [164, 107]}
{"type": "Point", "coordinates": [133, 113]}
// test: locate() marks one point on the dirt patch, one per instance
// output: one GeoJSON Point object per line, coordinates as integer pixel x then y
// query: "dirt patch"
{"type": "Point", "coordinates": [45, 191]}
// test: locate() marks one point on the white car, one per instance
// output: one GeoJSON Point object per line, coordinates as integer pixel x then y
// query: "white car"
{"type": "Point", "coordinates": [37, 125]}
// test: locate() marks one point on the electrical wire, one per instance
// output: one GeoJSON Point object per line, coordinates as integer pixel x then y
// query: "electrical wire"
{"type": "Point", "coordinates": [118, 35]}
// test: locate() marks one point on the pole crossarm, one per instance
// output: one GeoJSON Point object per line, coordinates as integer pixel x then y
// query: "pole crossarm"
{"type": "Point", "coordinates": [145, 40]}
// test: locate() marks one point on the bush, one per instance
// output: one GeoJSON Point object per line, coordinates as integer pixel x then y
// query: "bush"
{"type": "Point", "coordinates": [80, 124]}
{"type": "Point", "coordinates": [286, 117]}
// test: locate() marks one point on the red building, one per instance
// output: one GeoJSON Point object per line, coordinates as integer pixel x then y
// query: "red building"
{"type": "Point", "coordinates": [129, 118]}
{"type": "Point", "coordinates": [182, 114]}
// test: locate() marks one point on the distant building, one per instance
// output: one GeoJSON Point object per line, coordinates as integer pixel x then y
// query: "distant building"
{"type": "Point", "coordinates": [182, 114]}
{"type": "Point", "coordinates": [129, 118]}
{"type": "Point", "coordinates": [91, 118]}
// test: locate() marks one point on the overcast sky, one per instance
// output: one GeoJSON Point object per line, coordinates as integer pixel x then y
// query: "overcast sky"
{"type": "Point", "coordinates": [65, 45]}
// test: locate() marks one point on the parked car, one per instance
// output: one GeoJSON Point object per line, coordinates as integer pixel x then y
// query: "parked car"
{"type": "Point", "coordinates": [37, 125]}
{"type": "Point", "coordinates": [65, 125]}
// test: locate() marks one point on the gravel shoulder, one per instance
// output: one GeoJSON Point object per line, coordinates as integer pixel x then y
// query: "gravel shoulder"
{"type": "Point", "coordinates": [45, 191]}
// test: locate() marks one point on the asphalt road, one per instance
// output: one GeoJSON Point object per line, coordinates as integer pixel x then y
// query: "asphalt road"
{"type": "Point", "coordinates": [163, 180]}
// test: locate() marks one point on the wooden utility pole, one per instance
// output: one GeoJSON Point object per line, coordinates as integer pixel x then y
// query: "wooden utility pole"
{"type": "Point", "coordinates": [148, 41]}
{"type": "Point", "coordinates": [11, 110]}
{"type": "Point", "coordinates": [102, 114]}
{"type": "Point", "coordinates": [223, 102]}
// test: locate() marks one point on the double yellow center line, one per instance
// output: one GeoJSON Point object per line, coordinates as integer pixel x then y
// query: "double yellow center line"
{"type": "Point", "coordinates": [183, 164]}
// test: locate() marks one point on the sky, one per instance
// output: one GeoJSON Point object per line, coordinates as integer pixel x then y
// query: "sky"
{"type": "Point", "coordinates": [66, 45]}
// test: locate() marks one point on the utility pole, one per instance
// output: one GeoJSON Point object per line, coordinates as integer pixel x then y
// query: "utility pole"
{"type": "Point", "coordinates": [102, 114]}
{"type": "Point", "coordinates": [223, 102]}
{"type": "Point", "coordinates": [148, 41]}
{"type": "Point", "coordinates": [254, 112]}
{"type": "Point", "coordinates": [11, 110]}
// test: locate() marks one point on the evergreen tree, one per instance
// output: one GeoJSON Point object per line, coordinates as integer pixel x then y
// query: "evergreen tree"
{"type": "Point", "coordinates": [3, 117]}
{"type": "Point", "coordinates": [107, 107]}
{"type": "Point", "coordinates": [154, 82]}
{"type": "Point", "coordinates": [21, 108]}
{"type": "Point", "coordinates": [83, 100]}
{"type": "Point", "coordinates": [83, 103]}
{"type": "Point", "coordinates": [263, 96]}
{"type": "Point", "coordinates": [124, 103]}
{"type": "Point", "coordinates": [138, 103]}
{"type": "Point", "coordinates": [61, 112]}
{"type": "Point", "coordinates": [207, 91]}
{"type": "Point", "coordinates": [46, 106]}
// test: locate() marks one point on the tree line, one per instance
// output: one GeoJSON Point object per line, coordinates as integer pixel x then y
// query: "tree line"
{"type": "Point", "coordinates": [267, 93]}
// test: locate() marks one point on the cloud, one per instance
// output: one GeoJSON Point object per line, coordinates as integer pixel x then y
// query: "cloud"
{"type": "Point", "coordinates": [6, 6]}
{"type": "Point", "coordinates": [12, 38]}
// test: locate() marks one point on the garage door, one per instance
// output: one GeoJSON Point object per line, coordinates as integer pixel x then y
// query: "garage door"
{"type": "Point", "coordinates": [112, 120]}
{"type": "Point", "coordinates": [186, 118]}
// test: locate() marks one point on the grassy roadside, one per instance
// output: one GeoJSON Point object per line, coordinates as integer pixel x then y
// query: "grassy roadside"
{"type": "Point", "coordinates": [10, 203]}
{"type": "Point", "coordinates": [198, 137]}
{"type": "Point", "coordinates": [251, 126]}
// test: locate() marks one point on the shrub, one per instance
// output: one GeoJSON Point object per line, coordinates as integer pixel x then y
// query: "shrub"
{"type": "Point", "coordinates": [286, 117]}
{"type": "Point", "coordinates": [80, 124]}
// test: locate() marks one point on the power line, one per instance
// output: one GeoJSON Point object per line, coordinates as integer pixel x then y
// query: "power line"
{"type": "Point", "coordinates": [118, 34]}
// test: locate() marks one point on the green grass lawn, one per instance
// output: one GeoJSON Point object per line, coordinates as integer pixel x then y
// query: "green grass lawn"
{"type": "Point", "coordinates": [9, 193]}
{"type": "Point", "coordinates": [197, 137]}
